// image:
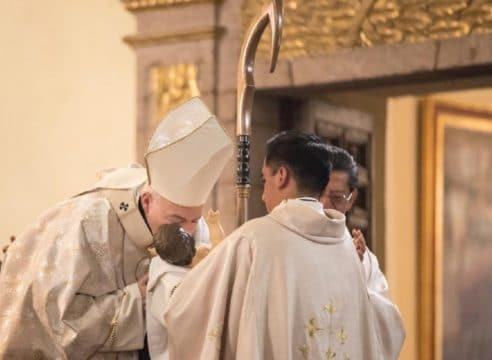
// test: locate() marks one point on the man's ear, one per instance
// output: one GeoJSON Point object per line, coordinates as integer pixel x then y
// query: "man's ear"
{"type": "Point", "coordinates": [282, 177]}
{"type": "Point", "coordinates": [355, 193]}
{"type": "Point", "coordinates": [146, 199]}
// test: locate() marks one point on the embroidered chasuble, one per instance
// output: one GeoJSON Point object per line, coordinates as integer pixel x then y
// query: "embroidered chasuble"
{"type": "Point", "coordinates": [69, 282]}
{"type": "Point", "coordinates": [285, 286]}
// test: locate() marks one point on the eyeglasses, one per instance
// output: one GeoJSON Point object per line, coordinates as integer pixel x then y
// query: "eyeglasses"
{"type": "Point", "coordinates": [340, 199]}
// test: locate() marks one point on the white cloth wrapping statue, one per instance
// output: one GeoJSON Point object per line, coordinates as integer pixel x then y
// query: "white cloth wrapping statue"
{"type": "Point", "coordinates": [92, 308]}
{"type": "Point", "coordinates": [288, 285]}
{"type": "Point", "coordinates": [164, 278]}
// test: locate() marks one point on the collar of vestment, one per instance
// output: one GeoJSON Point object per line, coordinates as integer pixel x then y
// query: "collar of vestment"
{"type": "Point", "coordinates": [121, 188]}
{"type": "Point", "coordinates": [306, 217]}
{"type": "Point", "coordinates": [125, 204]}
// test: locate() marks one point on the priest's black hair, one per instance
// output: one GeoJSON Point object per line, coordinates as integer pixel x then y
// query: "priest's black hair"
{"type": "Point", "coordinates": [304, 155]}
{"type": "Point", "coordinates": [341, 160]}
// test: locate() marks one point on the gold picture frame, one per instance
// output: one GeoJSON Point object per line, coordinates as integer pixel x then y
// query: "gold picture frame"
{"type": "Point", "coordinates": [440, 122]}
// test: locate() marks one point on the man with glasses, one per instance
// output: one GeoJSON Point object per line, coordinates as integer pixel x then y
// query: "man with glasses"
{"type": "Point", "coordinates": [340, 194]}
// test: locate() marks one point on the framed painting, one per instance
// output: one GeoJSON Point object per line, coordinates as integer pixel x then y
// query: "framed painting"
{"type": "Point", "coordinates": [456, 232]}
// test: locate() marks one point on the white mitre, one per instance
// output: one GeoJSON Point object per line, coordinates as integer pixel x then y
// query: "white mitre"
{"type": "Point", "coordinates": [187, 154]}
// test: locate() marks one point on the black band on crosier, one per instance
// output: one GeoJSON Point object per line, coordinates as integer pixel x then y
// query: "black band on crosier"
{"type": "Point", "coordinates": [243, 145]}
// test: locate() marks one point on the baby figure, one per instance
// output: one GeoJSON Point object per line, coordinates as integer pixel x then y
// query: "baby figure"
{"type": "Point", "coordinates": [175, 254]}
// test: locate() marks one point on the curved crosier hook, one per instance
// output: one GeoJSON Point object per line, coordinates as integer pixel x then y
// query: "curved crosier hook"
{"type": "Point", "coordinates": [271, 14]}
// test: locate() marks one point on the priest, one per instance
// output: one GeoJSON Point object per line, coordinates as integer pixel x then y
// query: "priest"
{"type": "Point", "coordinates": [340, 194]}
{"type": "Point", "coordinates": [288, 285]}
{"type": "Point", "coordinates": [70, 283]}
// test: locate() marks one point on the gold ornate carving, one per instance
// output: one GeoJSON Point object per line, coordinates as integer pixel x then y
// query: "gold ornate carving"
{"type": "Point", "coordinates": [171, 86]}
{"type": "Point", "coordinates": [166, 38]}
{"type": "Point", "coordinates": [317, 27]}
{"type": "Point", "coordinates": [137, 5]}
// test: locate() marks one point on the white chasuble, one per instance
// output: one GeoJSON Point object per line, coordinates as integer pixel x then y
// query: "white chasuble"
{"type": "Point", "coordinates": [68, 286]}
{"type": "Point", "coordinates": [285, 286]}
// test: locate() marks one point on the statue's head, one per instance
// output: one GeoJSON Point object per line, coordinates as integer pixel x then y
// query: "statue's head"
{"type": "Point", "coordinates": [174, 245]}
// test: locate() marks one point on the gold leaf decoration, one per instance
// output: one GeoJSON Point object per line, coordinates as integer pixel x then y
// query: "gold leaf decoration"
{"type": "Point", "coordinates": [171, 86]}
{"type": "Point", "coordinates": [137, 5]}
{"type": "Point", "coordinates": [319, 27]}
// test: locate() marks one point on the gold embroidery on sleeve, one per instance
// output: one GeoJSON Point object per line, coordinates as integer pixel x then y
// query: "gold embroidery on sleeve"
{"type": "Point", "coordinates": [113, 333]}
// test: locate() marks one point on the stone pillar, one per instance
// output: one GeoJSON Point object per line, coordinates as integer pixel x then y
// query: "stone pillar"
{"type": "Point", "coordinates": [176, 46]}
